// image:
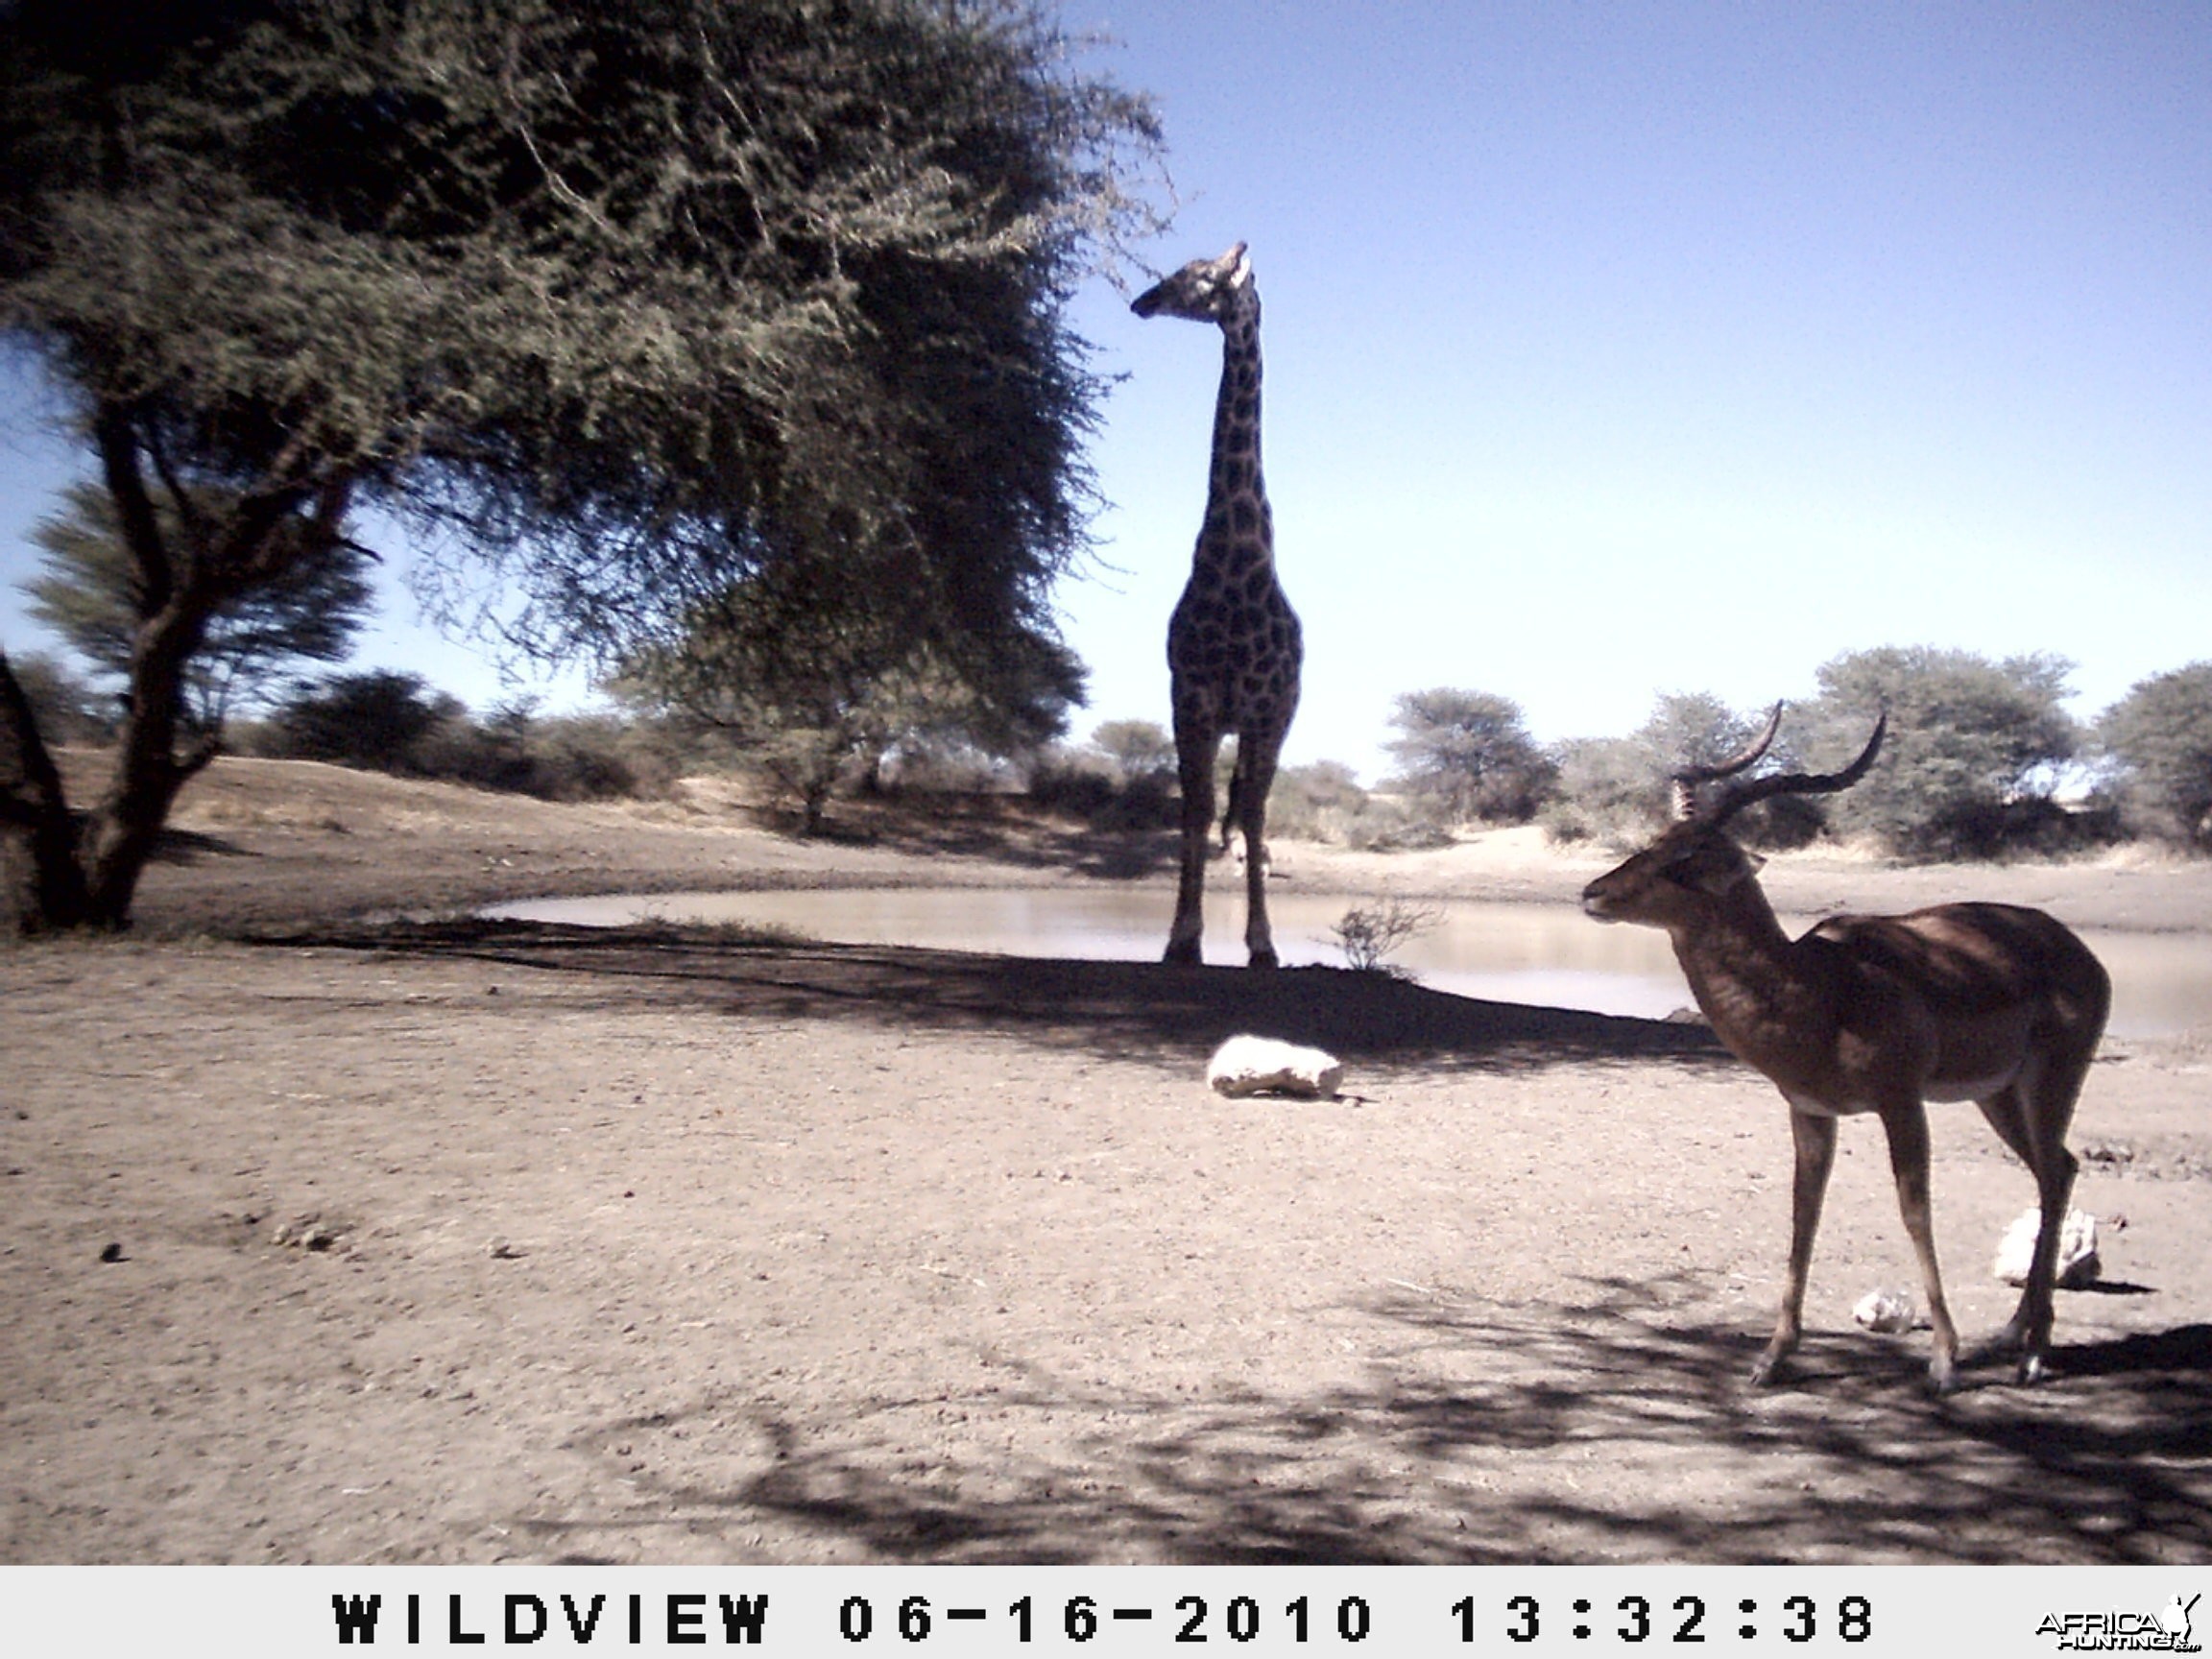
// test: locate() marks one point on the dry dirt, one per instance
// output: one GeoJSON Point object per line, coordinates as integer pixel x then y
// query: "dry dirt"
{"type": "Point", "coordinates": [332, 1232]}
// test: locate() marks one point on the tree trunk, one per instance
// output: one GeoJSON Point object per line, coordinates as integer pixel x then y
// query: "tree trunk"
{"type": "Point", "coordinates": [47, 882]}
{"type": "Point", "coordinates": [126, 827]}
{"type": "Point", "coordinates": [86, 875]}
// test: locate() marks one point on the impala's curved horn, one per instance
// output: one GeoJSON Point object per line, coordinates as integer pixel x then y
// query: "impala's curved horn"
{"type": "Point", "coordinates": [1687, 780]}
{"type": "Point", "coordinates": [1738, 796]}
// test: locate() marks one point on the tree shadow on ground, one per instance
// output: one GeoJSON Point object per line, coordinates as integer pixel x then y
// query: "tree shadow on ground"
{"type": "Point", "coordinates": [1119, 1009]}
{"type": "Point", "coordinates": [173, 846]}
{"type": "Point", "coordinates": [1619, 1429]}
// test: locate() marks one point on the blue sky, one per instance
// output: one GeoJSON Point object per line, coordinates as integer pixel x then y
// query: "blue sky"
{"type": "Point", "coordinates": [1620, 350]}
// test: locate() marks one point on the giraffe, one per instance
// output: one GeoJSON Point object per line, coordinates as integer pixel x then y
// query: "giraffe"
{"type": "Point", "coordinates": [1234, 645]}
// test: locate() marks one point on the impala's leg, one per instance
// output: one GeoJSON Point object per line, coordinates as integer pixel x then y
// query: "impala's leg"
{"type": "Point", "coordinates": [1195, 746]}
{"type": "Point", "coordinates": [2030, 1116]}
{"type": "Point", "coordinates": [1814, 1135]}
{"type": "Point", "coordinates": [1252, 787]}
{"type": "Point", "coordinates": [1907, 1125]}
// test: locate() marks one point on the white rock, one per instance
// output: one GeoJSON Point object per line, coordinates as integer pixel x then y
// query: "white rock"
{"type": "Point", "coordinates": [1887, 1310]}
{"type": "Point", "coordinates": [2078, 1262]}
{"type": "Point", "coordinates": [1263, 1066]}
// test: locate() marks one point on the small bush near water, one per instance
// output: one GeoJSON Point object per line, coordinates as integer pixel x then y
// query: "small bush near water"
{"type": "Point", "coordinates": [1368, 933]}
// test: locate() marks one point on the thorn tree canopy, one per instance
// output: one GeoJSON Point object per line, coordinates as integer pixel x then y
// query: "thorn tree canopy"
{"type": "Point", "coordinates": [617, 305]}
{"type": "Point", "coordinates": [88, 593]}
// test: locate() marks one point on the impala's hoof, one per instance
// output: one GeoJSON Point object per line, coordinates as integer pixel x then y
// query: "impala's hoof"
{"type": "Point", "coordinates": [1766, 1368]}
{"type": "Point", "coordinates": [1263, 959]}
{"type": "Point", "coordinates": [1942, 1377]}
{"type": "Point", "coordinates": [2032, 1370]}
{"type": "Point", "coordinates": [1182, 953]}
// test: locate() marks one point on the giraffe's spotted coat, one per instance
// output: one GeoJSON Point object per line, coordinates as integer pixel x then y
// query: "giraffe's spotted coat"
{"type": "Point", "coordinates": [1234, 644]}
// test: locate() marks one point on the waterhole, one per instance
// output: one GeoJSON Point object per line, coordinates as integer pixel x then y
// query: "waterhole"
{"type": "Point", "coordinates": [1548, 955]}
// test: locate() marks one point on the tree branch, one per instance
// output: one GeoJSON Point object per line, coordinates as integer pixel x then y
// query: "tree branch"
{"type": "Point", "coordinates": [119, 446]}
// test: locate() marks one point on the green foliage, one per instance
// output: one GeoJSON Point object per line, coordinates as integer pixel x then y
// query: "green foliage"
{"type": "Point", "coordinates": [386, 721]}
{"type": "Point", "coordinates": [1470, 754]}
{"type": "Point", "coordinates": [373, 721]}
{"type": "Point", "coordinates": [1619, 791]}
{"type": "Point", "coordinates": [1123, 778]}
{"type": "Point", "coordinates": [1316, 802]}
{"type": "Point", "coordinates": [2160, 735]}
{"type": "Point", "coordinates": [625, 305]}
{"type": "Point", "coordinates": [93, 593]}
{"type": "Point", "coordinates": [1974, 752]}
{"type": "Point", "coordinates": [1324, 802]}
{"type": "Point", "coordinates": [1135, 748]}
{"type": "Point", "coordinates": [815, 685]}
{"type": "Point", "coordinates": [1609, 791]}
{"type": "Point", "coordinates": [1687, 728]}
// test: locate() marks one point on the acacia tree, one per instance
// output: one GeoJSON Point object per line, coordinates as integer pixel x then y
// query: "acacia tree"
{"type": "Point", "coordinates": [1974, 750]}
{"type": "Point", "coordinates": [91, 593]}
{"type": "Point", "coordinates": [1135, 748]}
{"type": "Point", "coordinates": [800, 672]}
{"type": "Point", "coordinates": [617, 306]}
{"type": "Point", "coordinates": [1470, 752]}
{"type": "Point", "coordinates": [1621, 790]}
{"type": "Point", "coordinates": [2161, 735]}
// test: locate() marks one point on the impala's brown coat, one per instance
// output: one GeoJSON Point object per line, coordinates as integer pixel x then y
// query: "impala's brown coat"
{"type": "Point", "coordinates": [1995, 1003]}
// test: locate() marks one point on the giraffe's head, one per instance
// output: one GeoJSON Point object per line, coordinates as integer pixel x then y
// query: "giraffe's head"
{"type": "Point", "coordinates": [1205, 290]}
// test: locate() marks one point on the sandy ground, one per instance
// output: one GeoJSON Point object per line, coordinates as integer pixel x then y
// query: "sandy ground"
{"type": "Point", "coordinates": [332, 1232]}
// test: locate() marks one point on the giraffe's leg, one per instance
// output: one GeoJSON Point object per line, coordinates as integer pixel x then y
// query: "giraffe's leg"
{"type": "Point", "coordinates": [1814, 1135]}
{"type": "Point", "coordinates": [1254, 780]}
{"type": "Point", "coordinates": [1195, 747]}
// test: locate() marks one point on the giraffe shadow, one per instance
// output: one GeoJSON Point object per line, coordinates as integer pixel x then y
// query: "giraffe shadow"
{"type": "Point", "coordinates": [1114, 1009]}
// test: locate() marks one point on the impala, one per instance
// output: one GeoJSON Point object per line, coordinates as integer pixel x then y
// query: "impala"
{"type": "Point", "coordinates": [1994, 1003]}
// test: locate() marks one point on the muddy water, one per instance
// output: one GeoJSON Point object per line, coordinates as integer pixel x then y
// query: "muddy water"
{"type": "Point", "coordinates": [1550, 955]}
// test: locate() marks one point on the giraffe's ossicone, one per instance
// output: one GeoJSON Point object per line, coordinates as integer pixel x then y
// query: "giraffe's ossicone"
{"type": "Point", "coordinates": [1234, 644]}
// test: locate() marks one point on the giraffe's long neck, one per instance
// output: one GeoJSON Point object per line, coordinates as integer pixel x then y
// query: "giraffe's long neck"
{"type": "Point", "coordinates": [1238, 520]}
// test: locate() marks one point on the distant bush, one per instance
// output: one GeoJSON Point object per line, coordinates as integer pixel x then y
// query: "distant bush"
{"type": "Point", "coordinates": [1316, 803]}
{"type": "Point", "coordinates": [2159, 738]}
{"type": "Point", "coordinates": [1323, 801]}
{"type": "Point", "coordinates": [1134, 749]}
{"type": "Point", "coordinates": [1124, 779]}
{"type": "Point", "coordinates": [1975, 753]}
{"type": "Point", "coordinates": [1390, 823]}
{"type": "Point", "coordinates": [373, 720]}
{"type": "Point", "coordinates": [1607, 790]}
{"type": "Point", "coordinates": [1470, 754]}
{"type": "Point", "coordinates": [1088, 785]}
{"type": "Point", "coordinates": [383, 721]}
{"type": "Point", "coordinates": [941, 769]}
{"type": "Point", "coordinates": [1618, 792]}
